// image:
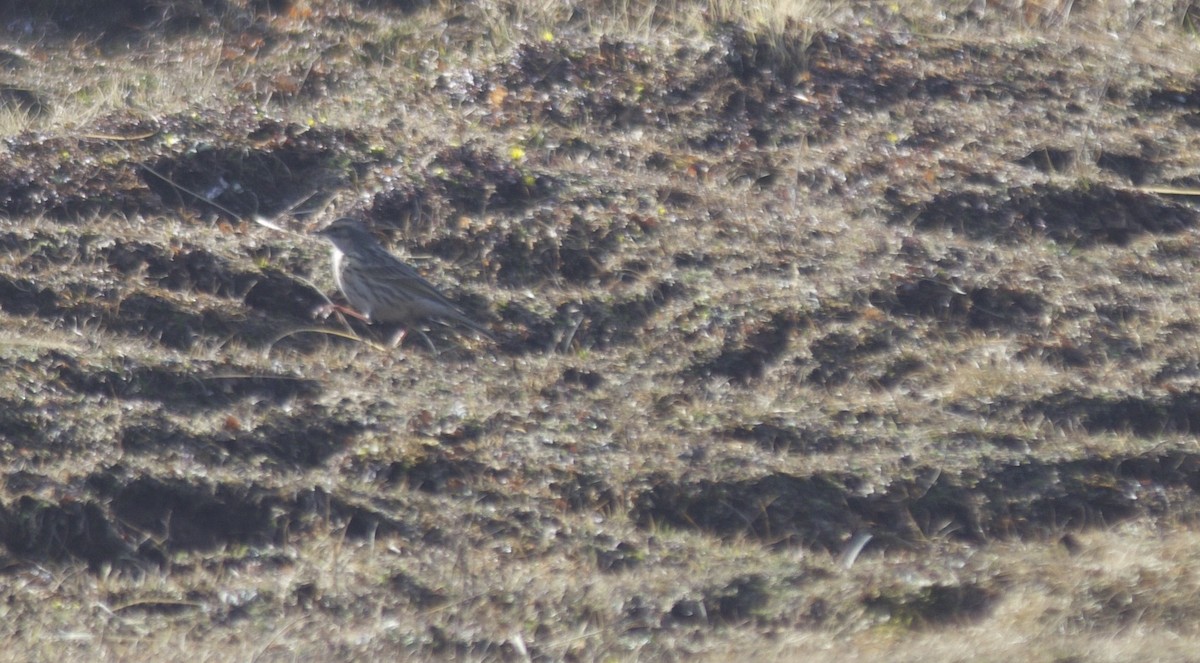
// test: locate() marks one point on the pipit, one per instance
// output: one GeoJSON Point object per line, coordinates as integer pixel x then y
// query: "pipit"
{"type": "Point", "coordinates": [381, 288]}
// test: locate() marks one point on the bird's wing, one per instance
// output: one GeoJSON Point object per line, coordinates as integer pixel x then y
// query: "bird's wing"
{"type": "Point", "coordinates": [404, 278]}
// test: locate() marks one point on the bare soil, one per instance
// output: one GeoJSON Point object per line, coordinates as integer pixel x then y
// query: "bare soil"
{"type": "Point", "coordinates": [866, 333]}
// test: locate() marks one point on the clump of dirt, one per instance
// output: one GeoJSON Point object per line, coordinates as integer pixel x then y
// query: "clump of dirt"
{"type": "Point", "coordinates": [289, 164]}
{"type": "Point", "coordinates": [745, 359]}
{"type": "Point", "coordinates": [1027, 501]}
{"type": "Point", "coordinates": [1080, 215]}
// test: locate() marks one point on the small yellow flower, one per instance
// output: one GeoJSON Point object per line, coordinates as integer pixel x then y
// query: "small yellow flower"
{"type": "Point", "coordinates": [516, 153]}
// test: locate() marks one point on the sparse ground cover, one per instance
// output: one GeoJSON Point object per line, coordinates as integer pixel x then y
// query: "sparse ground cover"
{"type": "Point", "coordinates": [827, 330]}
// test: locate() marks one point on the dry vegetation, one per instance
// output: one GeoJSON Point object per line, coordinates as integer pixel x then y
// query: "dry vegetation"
{"type": "Point", "coordinates": [827, 330]}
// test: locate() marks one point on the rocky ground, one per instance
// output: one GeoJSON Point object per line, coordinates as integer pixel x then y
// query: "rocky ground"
{"type": "Point", "coordinates": [853, 332]}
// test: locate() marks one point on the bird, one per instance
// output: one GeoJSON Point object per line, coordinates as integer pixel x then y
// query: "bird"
{"type": "Point", "coordinates": [383, 289]}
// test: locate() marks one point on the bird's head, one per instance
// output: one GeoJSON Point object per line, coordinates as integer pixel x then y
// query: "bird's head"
{"type": "Point", "coordinates": [348, 235]}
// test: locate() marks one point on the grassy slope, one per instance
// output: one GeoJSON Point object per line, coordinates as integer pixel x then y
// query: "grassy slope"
{"type": "Point", "coordinates": [762, 287]}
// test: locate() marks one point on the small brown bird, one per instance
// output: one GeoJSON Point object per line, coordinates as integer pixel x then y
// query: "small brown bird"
{"type": "Point", "coordinates": [383, 289]}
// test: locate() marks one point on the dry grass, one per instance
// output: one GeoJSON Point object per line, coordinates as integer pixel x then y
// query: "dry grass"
{"type": "Point", "coordinates": [769, 277]}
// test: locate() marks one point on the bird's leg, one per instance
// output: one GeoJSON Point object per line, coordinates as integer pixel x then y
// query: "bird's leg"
{"type": "Point", "coordinates": [397, 338]}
